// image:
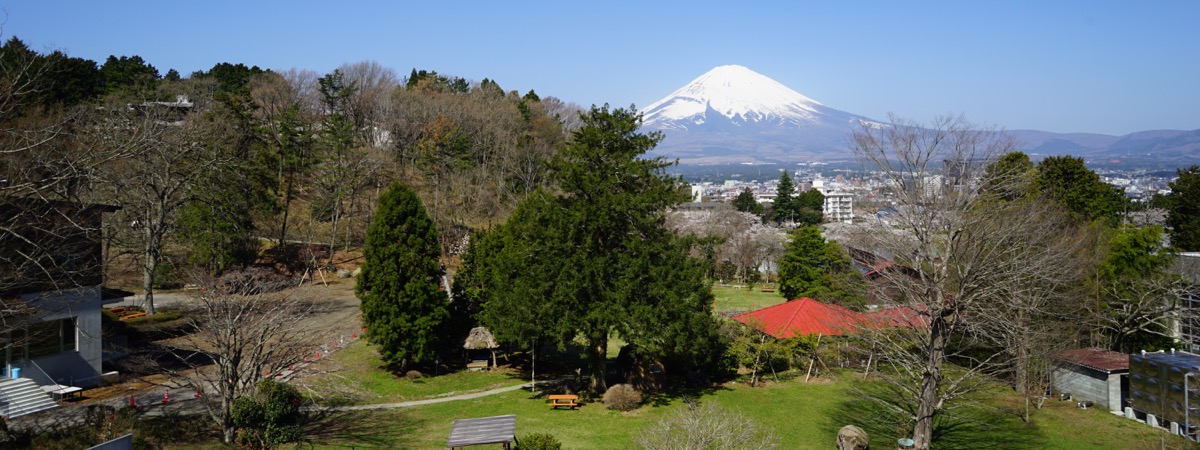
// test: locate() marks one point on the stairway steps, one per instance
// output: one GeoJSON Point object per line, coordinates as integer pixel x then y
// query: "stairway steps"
{"type": "Point", "coordinates": [22, 396]}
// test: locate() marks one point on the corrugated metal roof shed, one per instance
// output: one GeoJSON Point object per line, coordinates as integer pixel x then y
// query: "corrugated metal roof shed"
{"type": "Point", "coordinates": [1104, 360]}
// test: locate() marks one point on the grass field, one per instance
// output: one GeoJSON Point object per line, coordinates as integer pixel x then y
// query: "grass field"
{"type": "Point", "coordinates": [803, 416]}
{"type": "Point", "coordinates": [740, 299]}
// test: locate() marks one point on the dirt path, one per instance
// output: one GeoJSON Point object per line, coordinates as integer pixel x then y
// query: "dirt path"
{"type": "Point", "coordinates": [421, 402]}
{"type": "Point", "coordinates": [336, 321]}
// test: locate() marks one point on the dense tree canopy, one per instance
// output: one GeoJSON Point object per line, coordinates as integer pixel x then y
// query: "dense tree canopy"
{"type": "Point", "coordinates": [745, 202]}
{"type": "Point", "coordinates": [598, 259]}
{"type": "Point", "coordinates": [1183, 210]}
{"type": "Point", "coordinates": [402, 308]}
{"type": "Point", "coordinates": [811, 267]}
{"type": "Point", "coordinates": [1067, 180]}
{"type": "Point", "coordinates": [1010, 177]}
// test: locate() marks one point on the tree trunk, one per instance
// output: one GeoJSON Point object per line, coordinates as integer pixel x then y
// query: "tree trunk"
{"type": "Point", "coordinates": [149, 269]}
{"type": "Point", "coordinates": [931, 378]}
{"type": "Point", "coordinates": [599, 358]}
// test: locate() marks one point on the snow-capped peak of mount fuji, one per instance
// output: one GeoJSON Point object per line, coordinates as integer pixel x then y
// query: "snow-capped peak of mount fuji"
{"type": "Point", "coordinates": [736, 93]}
{"type": "Point", "coordinates": [734, 113]}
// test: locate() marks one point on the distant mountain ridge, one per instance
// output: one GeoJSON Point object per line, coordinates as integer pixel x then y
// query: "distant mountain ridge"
{"type": "Point", "coordinates": [732, 114]}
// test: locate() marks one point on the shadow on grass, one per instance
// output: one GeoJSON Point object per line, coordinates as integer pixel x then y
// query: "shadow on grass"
{"type": "Point", "coordinates": [972, 423]}
{"type": "Point", "coordinates": [671, 395]}
{"type": "Point", "coordinates": [371, 428]}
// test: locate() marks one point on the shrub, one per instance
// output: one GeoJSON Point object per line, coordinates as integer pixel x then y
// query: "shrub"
{"type": "Point", "coordinates": [622, 397]}
{"type": "Point", "coordinates": [412, 375]}
{"type": "Point", "coordinates": [706, 426]}
{"type": "Point", "coordinates": [538, 441]}
{"type": "Point", "coordinates": [270, 418]}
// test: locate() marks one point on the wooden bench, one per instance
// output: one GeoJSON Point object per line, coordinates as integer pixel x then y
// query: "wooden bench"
{"type": "Point", "coordinates": [568, 400]}
{"type": "Point", "coordinates": [478, 365]}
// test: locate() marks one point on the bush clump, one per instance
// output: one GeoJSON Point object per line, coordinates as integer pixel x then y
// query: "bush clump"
{"type": "Point", "coordinates": [538, 441]}
{"type": "Point", "coordinates": [270, 418]}
{"type": "Point", "coordinates": [622, 397]}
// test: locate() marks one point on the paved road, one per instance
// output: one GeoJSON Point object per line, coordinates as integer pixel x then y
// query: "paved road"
{"type": "Point", "coordinates": [161, 299]}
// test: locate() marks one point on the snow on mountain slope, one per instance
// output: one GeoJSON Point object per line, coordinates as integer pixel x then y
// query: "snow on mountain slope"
{"type": "Point", "coordinates": [736, 93]}
{"type": "Point", "coordinates": [732, 113]}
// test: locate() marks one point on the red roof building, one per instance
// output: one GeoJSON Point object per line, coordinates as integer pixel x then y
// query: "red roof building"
{"type": "Point", "coordinates": [1100, 359]}
{"type": "Point", "coordinates": [802, 317]}
{"type": "Point", "coordinates": [897, 317]}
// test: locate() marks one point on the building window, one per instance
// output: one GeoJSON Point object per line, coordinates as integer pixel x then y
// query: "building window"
{"type": "Point", "coordinates": [48, 338]}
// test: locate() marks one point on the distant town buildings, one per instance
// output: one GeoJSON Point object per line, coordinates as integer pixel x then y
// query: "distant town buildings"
{"type": "Point", "coordinates": [851, 195]}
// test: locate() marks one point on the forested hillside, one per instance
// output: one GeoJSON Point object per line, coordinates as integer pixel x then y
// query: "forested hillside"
{"type": "Point", "coordinates": [207, 167]}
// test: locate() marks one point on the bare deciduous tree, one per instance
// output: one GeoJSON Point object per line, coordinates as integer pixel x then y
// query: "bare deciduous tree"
{"type": "Point", "coordinates": [165, 155]}
{"type": "Point", "coordinates": [237, 336]}
{"type": "Point", "coordinates": [961, 253]}
{"type": "Point", "coordinates": [49, 225]}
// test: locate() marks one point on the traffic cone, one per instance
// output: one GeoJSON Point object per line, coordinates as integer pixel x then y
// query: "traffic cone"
{"type": "Point", "coordinates": [132, 402]}
{"type": "Point", "coordinates": [167, 396]}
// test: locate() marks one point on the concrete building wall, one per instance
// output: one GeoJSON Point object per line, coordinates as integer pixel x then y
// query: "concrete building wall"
{"type": "Point", "coordinates": [1090, 385]}
{"type": "Point", "coordinates": [83, 306]}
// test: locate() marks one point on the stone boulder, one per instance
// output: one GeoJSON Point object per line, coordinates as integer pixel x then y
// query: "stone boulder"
{"type": "Point", "coordinates": [851, 437]}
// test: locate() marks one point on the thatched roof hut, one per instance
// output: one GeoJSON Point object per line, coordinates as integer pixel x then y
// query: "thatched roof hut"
{"type": "Point", "coordinates": [480, 338]}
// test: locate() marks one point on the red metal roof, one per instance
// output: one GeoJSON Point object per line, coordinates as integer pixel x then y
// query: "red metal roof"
{"type": "Point", "coordinates": [897, 316]}
{"type": "Point", "coordinates": [801, 317]}
{"type": "Point", "coordinates": [1097, 358]}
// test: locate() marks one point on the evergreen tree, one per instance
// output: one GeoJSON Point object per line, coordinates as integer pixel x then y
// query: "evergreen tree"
{"type": "Point", "coordinates": [402, 308]}
{"type": "Point", "coordinates": [218, 223]}
{"type": "Point", "coordinates": [599, 260]}
{"type": "Point", "coordinates": [1010, 176]}
{"type": "Point", "coordinates": [809, 206]}
{"type": "Point", "coordinates": [1132, 275]}
{"type": "Point", "coordinates": [745, 202]}
{"type": "Point", "coordinates": [129, 73]}
{"type": "Point", "coordinates": [784, 207]}
{"type": "Point", "coordinates": [1183, 210]}
{"type": "Point", "coordinates": [814, 268]}
{"type": "Point", "coordinates": [1067, 180]}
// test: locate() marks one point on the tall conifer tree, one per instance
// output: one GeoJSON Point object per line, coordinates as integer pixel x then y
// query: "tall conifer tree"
{"type": "Point", "coordinates": [402, 307]}
{"type": "Point", "coordinates": [784, 209]}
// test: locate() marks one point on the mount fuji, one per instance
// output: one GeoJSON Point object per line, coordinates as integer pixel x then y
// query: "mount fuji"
{"type": "Point", "coordinates": [732, 114]}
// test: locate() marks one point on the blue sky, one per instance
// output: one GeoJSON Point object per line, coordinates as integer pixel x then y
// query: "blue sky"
{"type": "Point", "coordinates": [1067, 66]}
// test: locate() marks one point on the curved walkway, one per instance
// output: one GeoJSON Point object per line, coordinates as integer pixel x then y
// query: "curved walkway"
{"type": "Point", "coordinates": [412, 403]}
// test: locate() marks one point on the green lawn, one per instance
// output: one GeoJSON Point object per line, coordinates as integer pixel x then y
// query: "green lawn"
{"type": "Point", "coordinates": [803, 416]}
{"type": "Point", "coordinates": [739, 299]}
{"type": "Point", "coordinates": [356, 376]}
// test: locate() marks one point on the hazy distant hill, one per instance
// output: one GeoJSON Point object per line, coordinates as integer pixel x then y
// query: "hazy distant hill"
{"type": "Point", "coordinates": [732, 114]}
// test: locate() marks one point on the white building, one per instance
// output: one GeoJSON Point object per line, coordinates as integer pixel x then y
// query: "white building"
{"type": "Point", "coordinates": [839, 207]}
